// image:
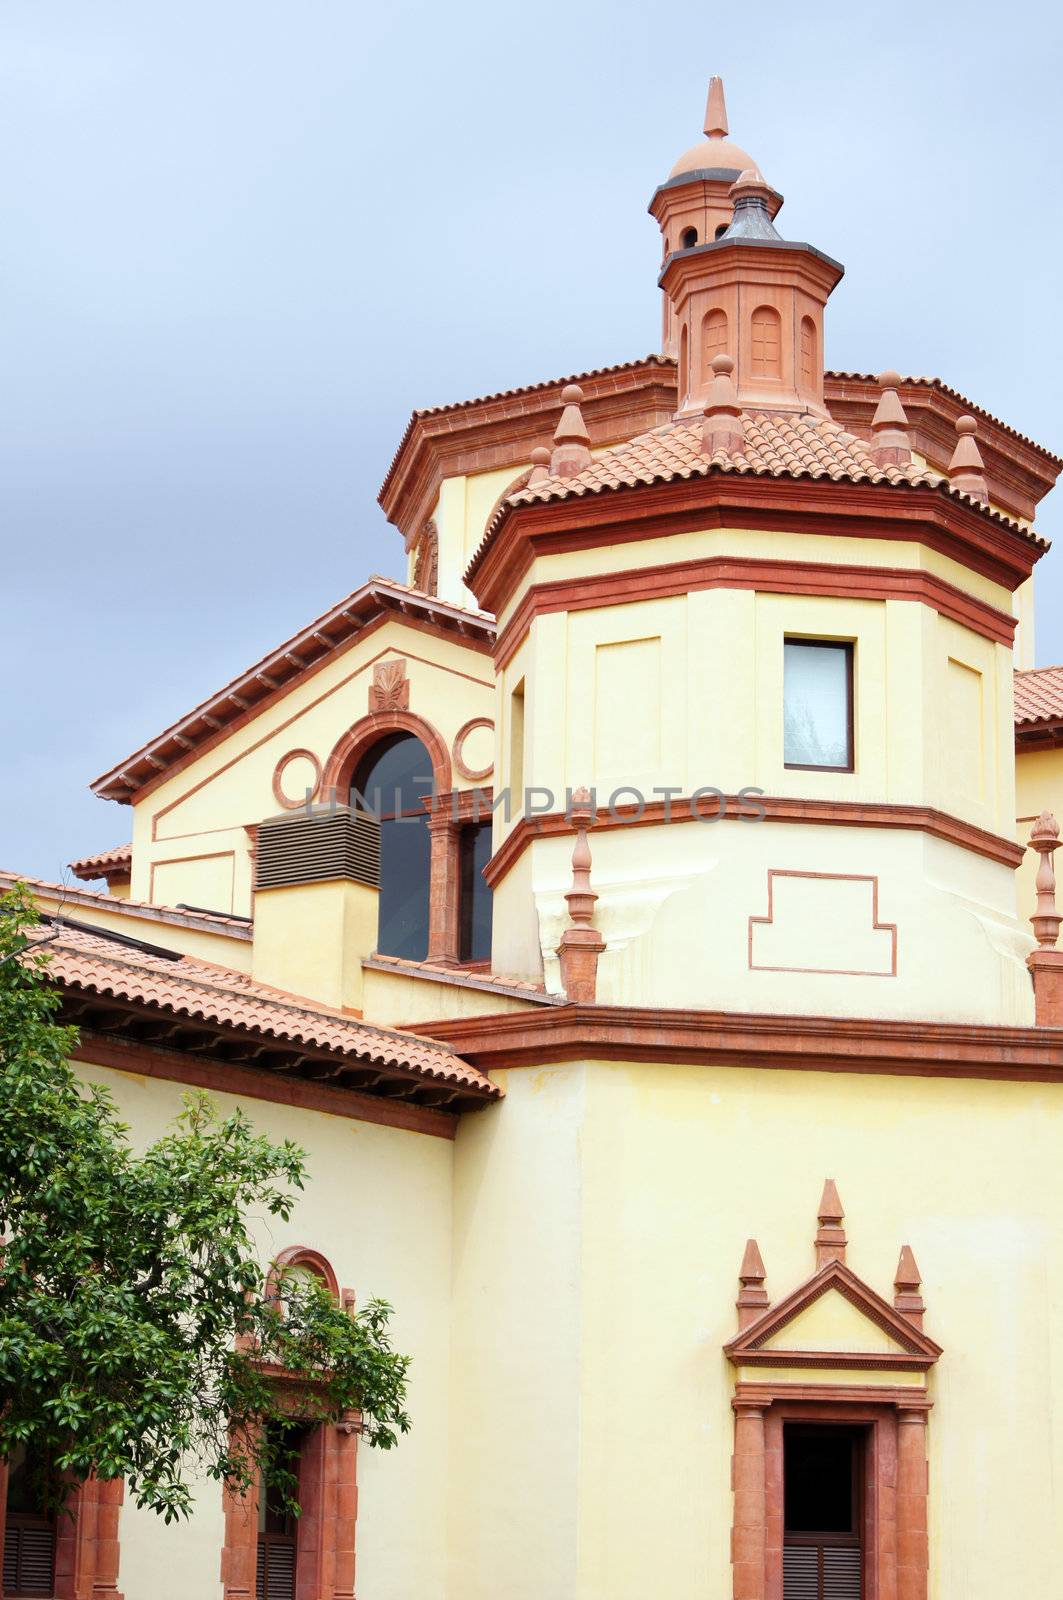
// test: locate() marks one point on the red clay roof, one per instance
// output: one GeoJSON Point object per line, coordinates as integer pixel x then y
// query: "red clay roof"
{"type": "Point", "coordinates": [108, 863]}
{"type": "Point", "coordinates": [1039, 696]}
{"type": "Point", "coordinates": [90, 963]}
{"type": "Point", "coordinates": [70, 894]}
{"type": "Point", "coordinates": [333, 631]}
{"type": "Point", "coordinates": [777, 445]}
{"type": "Point", "coordinates": [953, 394]}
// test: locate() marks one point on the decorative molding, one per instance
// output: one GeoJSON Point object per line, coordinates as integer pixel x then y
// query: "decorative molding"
{"type": "Point", "coordinates": [828, 877]}
{"type": "Point", "coordinates": [284, 800]}
{"type": "Point", "coordinates": [301, 1255]}
{"type": "Point", "coordinates": [390, 688]}
{"type": "Point", "coordinates": [359, 739]}
{"type": "Point", "coordinates": [472, 774]}
{"type": "Point", "coordinates": [796, 1043]}
{"type": "Point", "coordinates": [776, 808]}
{"type": "Point", "coordinates": [426, 567]}
{"type": "Point", "coordinates": [821, 578]}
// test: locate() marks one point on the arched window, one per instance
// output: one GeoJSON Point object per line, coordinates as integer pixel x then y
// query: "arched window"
{"type": "Point", "coordinates": [690, 238]}
{"type": "Point", "coordinates": [767, 343]}
{"type": "Point", "coordinates": [392, 780]}
{"type": "Point", "coordinates": [713, 338]}
{"type": "Point", "coordinates": [808, 353]}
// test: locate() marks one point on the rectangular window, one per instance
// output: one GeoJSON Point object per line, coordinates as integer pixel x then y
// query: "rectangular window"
{"type": "Point", "coordinates": [818, 705]}
{"type": "Point", "coordinates": [516, 751]}
{"type": "Point", "coordinates": [474, 895]}
{"type": "Point", "coordinates": [822, 1512]}
{"type": "Point", "coordinates": [277, 1528]}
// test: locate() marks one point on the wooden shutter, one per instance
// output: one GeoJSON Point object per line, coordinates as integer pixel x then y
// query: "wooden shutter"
{"type": "Point", "coordinates": [822, 1571]}
{"type": "Point", "coordinates": [275, 1572]}
{"type": "Point", "coordinates": [29, 1556]}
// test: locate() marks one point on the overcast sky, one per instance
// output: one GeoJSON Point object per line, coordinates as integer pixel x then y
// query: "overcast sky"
{"type": "Point", "coordinates": [243, 239]}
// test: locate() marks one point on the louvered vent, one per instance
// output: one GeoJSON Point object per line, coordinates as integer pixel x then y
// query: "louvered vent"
{"type": "Point", "coordinates": [275, 1574]}
{"type": "Point", "coordinates": [822, 1572]}
{"type": "Point", "coordinates": [316, 846]}
{"type": "Point", "coordinates": [29, 1557]}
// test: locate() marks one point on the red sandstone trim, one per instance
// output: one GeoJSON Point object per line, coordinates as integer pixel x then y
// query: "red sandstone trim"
{"type": "Point", "coordinates": [777, 808]}
{"type": "Point", "coordinates": [829, 877]}
{"type": "Point", "coordinates": [766, 577]}
{"type": "Point", "coordinates": [249, 1084]}
{"type": "Point", "coordinates": [472, 774]}
{"type": "Point", "coordinates": [279, 795]}
{"type": "Point", "coordinates": [720, 1038]}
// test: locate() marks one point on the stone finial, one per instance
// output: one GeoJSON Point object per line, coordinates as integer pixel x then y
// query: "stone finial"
{"type": "Point", "coordinates": [755, 203]}
{"type": "Point", "coordinates": [906, 1282]}
{"type": "Point", "coordinates": [350, 1303]}
{"type": "Point", "coordinates": [723, 428]}
{"type": "Point", "coordinates": [967, 469]}
{"type": "Point", "coordinates": [1044, 838]}
{"type": "Point", "coordinates": [581, 944]}
{"type": "Point", "coordinates": [715, 111]}
{"type": "Point", "coordinates": [540, 459]}
{"type": "Point", "coordinates": [752, 1296]}
{"type": "Point", "coordinates": [890, 443]}
{"type": "Point", "coordinates": [830, 1235]}
{"type": "Point", "coordinates": [571, 452]}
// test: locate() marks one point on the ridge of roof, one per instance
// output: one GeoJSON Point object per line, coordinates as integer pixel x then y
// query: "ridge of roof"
{"type": "Point", "coordinates": [224, 997]}
{"type": "Point", "coordinates": [777, 445]}
{"type": "Point", "coordinates": [219, 922]}
{"type": "Point", "coordinates": [450, 406]}
{"type": "Point", "coordinates": [954, 394]}
{"type": "Point", "coordinates": [97, 866]}
{"type": "Point", "coordinates": [490, 982]}
{"type": "Point", "coordinates": [277, 671]}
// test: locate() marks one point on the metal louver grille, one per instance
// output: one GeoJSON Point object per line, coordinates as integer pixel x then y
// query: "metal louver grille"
{"type": "Point", "coordinates": [29, 1558]}
{"type": "Point", "coordinates": [275, 1572]}
{"type": "Point", "coordinates": [317, 846]}
{"type": "Point", "coordinates": [822, 1572]}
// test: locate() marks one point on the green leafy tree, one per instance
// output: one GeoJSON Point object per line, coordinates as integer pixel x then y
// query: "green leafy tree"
{"type": "Point", "coordinates": [136, 1335]}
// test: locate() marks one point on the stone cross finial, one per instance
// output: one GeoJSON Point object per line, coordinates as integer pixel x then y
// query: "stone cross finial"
{"type": "Point", "coordinates": [890, 444]}
{"type": "Point", "coordinates": [830, 1236]}
{"type": "Point", "coordinates": [723, 428]}
{"type": "Point", "coordinates": [581, 944]}
{"type": "Point", "coordinates": [967, 469]}
{"type": "Point", "coordinates": [571, 451]}
{"type": "Point", "coordinates": [906, 1282]}
{"type": "Point", "coordinates": [752, 1296]}
{"type": "Point", "coordinates": [1044, 838]}
{"type": "Point", "coordinates": [540, 459]}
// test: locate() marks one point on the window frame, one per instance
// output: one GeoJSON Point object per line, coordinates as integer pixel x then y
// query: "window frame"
{"type": "Point", "coordinates": [849, 648]}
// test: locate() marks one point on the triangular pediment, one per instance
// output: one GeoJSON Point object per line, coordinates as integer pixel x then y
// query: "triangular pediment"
{"type": "Point", "coordinates": [834, 1317]}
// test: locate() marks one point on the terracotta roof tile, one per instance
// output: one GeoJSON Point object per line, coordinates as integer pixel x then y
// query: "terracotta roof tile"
{"type": "Point", "coordinates": [71, 894]}
{"type": "Point", "coordinates": [1039, 695]}
{"type": "Point", "coordinates": [93, 964]}
{"type": "Point", "coordinates": [115, 862]}
{"type": "Point", "coordinates": [492, 982]}
{"type": "Point", "coordinates": [777, 445]}
{"type": "Point", "coordinates": [953, 394]}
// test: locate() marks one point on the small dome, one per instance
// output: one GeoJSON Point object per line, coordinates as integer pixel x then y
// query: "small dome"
{"type": "Point", "coordinates": [716, 149]}
{"type": "Point", "coordinates": [713, 153]}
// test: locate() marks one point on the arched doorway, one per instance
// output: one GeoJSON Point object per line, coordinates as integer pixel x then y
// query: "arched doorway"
{"type": "Point", "coordinates": [392, 780]}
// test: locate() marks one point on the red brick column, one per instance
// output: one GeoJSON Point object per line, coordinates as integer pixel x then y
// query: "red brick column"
{"type": "Point", "coordinates": [344, 1504]}
{"type": "Point", "coordinates": [239, 1556]}
{"type": "Point", "coordinates": [109, 1496]}
{"type": "Point", "coordinates": [749, 1530]}
{"type": "Point", "coordinates": [443, 928]}
{"type": "Point", "coordinates": [912, 1548]}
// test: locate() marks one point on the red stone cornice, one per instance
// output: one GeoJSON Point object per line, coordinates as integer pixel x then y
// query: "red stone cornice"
{"type": "Point", "coordinates": [776, 808]}
{"type": "Point", "coordinates": [721, 1038]}
{"type": "Point", "coordinates": [972, 536]}
{"type": "Point", "coordinates": [767, 577]}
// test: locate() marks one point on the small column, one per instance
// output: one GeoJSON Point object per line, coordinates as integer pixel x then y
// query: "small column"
{"type": "Point", "coordinates": [443, 909]}
{"type": "Point", "coordinates": [912, 1548]}
{"type": "Point", "coordinates": [239, 1556]}
{"type": "Point", "coordinates": [344, 1467]}
{"type": "Point", "coordinates": [1046, 962]}
{"type": "Point", "coordinates": [752, 1296]}
{"type": "Point", "coordinates": [830, 1236]}
{"type": "Point", "coordinates": [749, 1529]}
{"type": "Point", "coordinates": [581, 943]}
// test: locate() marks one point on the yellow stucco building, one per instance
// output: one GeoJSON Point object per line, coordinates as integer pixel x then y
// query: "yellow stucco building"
{"type": "Point", "coordinates": [703, 1128]}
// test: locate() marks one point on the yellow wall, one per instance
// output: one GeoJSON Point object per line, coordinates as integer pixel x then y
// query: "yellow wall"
{"type": "Point", "coordinates": [377, 1204]}
{"type": "Point", "coordinates": [632, 1191]}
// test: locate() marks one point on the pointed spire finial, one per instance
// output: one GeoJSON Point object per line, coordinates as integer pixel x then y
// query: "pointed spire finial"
{"type": "Point", "coordinates": [830, 1236]}
{"type": "Point", "coordinates": [906, 1282]}
{"type": "Point", "coordinates": [1044, 838]}
{"type": "Point", "coordinates": [540, 459]}
{"type": "Point", "coordinates": [715, 110]}
{"type": "Point", "coordinates": [571, 451]}
{"type": "Point", "coordinates": [752, 1296]}
{"type": "Point", "coordinates": [890, 443]}
{"type": "Point", "coordinates": [581, 943]}
{"type": "Point", "coordinates": [723, 428]}
{"type": "Point", "coordinates": [967, 469]}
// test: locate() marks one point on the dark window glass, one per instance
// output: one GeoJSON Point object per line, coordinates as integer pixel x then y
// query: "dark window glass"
{"type": "Point", "coordinates": [819, 1480]}
{"type": "Point", "coordinates": [392, 781]}
{"type": "Point", "coordinates": [818, 705]}
{"type": "Point", "coordinates": [475, 896]}
{"type": "Point", "coordinates": [690, 238]}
